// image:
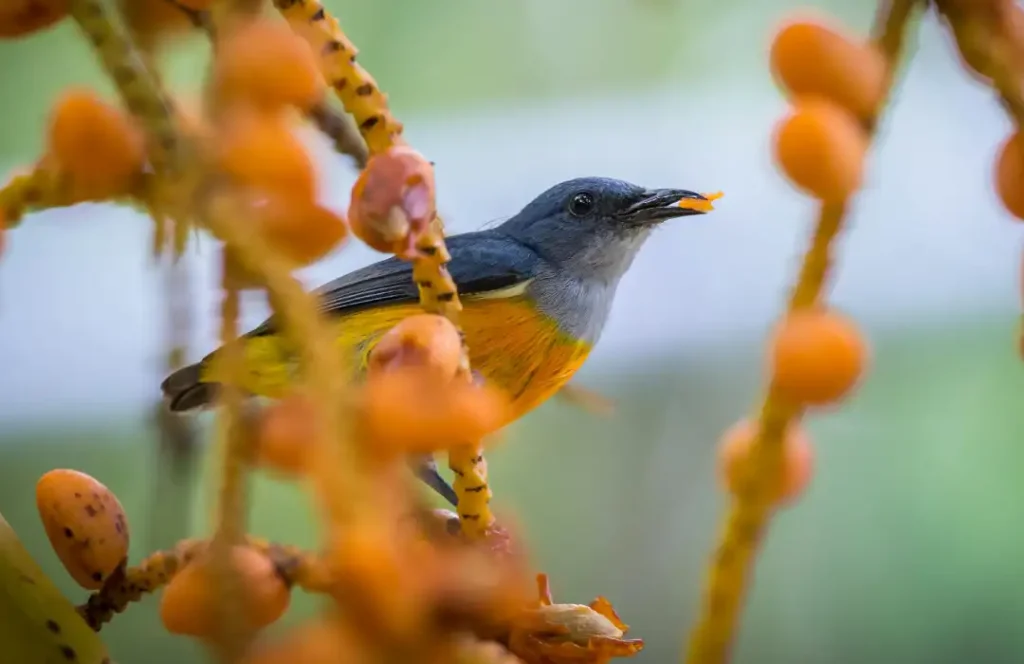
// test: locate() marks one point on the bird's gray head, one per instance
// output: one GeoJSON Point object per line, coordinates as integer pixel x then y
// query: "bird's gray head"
{"type": "Point", "coordinates": [593, 227]}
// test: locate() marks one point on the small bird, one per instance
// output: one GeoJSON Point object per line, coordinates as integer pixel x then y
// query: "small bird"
{"type": "Point", "coordinates": [536, 293]}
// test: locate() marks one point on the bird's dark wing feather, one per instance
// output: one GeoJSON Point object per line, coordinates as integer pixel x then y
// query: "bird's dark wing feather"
{"type": "Point", "coordinates": [481, 262]}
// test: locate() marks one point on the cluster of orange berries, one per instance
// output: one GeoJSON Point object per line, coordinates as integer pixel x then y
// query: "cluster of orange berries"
{"type": "Point", "coordinates": [816, 355]}
{"type": "Point", "coordinates": [88, 531]}
{"type": "Point", "coordinates": [411, 402]}
{"type": "Point", "coordinates": [408, 575]}
{"type": "Point", "coordinates": [263, 73]}
{"type": "Point", "coordinates": [816, 358]}
{"type": "Point", "coordinates": [265, 77]}
{"type": "Point", "coordinates": [835, 83]}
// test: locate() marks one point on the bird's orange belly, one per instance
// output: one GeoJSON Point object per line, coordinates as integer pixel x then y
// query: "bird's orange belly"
{"type": "Point", "coordinates": [511, 344]}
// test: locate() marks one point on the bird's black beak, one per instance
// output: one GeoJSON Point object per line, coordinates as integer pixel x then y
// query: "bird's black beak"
{"type": "Point", "coordinates": [657, 205]}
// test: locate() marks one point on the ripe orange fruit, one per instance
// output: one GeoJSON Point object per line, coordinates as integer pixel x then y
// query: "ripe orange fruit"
{"type": "Point", "coordinates": [85, 524]}
{"type": "Point", "coordinates": [1009, 175]}
{"type": "Point", "coordinates": [320, 641]}
{"type": "Point", "coordinates": [262, 152]}
{"type": "Point", "coordinates": [797, 460]}
{"type": "Point", "coordinates": [816, 357]}
{"type": "Point", "coordinates": [821, 149]}
{"type": "Point", "coordinates": [427, 341]}
{"type": "Point", "coordinates": [97, 144]}
{"type": "Point", "coordinates": [189, 604]}
{"type": "Point", "coordinates": [22, 17]}
{"type": "Point", "coordinates": [812, 58]}
{"type": "Point", "coordinates": [393, 201]}
{"type": "Point", "coordinates": [285, 435]}
{"type": "Point", "coordinates": [155, 22]}
{"type": "Point", "coordinates": [410, 411]}
{"type": "Point", "coordinates": [302, 230]}
{"type": "Point", "coordinates": [265, 63]}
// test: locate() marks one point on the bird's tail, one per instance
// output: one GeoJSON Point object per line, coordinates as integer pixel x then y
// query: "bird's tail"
{"type": "Point", "coordinates": [185, 390]}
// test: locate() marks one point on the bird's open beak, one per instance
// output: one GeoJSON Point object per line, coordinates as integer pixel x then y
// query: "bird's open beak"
{"type": "Point", "coordinates": [660, 204]}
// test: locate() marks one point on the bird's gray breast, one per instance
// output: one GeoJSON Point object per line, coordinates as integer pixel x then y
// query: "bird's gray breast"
{"type": "Point", "coordinates": [579, 306]}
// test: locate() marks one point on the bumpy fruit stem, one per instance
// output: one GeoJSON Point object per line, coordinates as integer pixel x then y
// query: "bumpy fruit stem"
{"type": "Point", "coordinates": [167, 195]}
{"type": "Point", "coordinates": [749, 513]}
{"type": "Point", "coordinates": [362, 98]}
{"type": "Point", "coordinates": [297, 568]}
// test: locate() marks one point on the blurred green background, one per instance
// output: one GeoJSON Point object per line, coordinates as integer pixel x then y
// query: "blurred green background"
{"type": "Point", "coordinates": [908, 547]}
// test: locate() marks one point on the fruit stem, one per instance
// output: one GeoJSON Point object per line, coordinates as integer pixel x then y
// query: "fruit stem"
{"type": "Point", "coordinates": [167, 193]}
{"type": "Point", "coordinates": [231, 505]}
{"type": "Point", "coordinates": [990, 32]}
{"type": "Point", "coordinates": [296, 568]}
{"type": "Point", "coordinates": [336, 477]}
{"type": "Point", "coordinates": [749, 513]}
{"type": "Point", "coordinates": [363, 99]}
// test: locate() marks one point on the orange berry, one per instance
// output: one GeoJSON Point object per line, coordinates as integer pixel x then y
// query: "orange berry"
{"type": "Point", "coordinates": [85, 524]}
{"type": "Point", "coordinates": [794, 473]}
{"type": "Point", "coordinates": [1009, 175]}
{"type": "Point", "coordinates": [22, 17]}
{"type": "Point", "coordinates": [810, 58]}
{"type": "Point", "coordinates": [154, 22]}
{"type": "Point", "coordinates": [265, 63]}
{"type": "Point", "coordinates": [321, 641]}
{"type": "Point", "coordinates": [303, 231]}
{"type": "Point", "coordinates": [262, 152]}
{"type": "Point", "coordinates": [428, 341]}
{"type": "Point", "coordinates": [97, 144]}
{"type": "Point", "coordinates": [410, 411]}
{"type": "Point", "coordinates": [821, 149]}
{"type": "Point", "coordinates": [190, 602]}
{"type": "Point", "coordinates": [285, 436]}
{"type": "Point", "coordinates": [393, 201]}
{"type": "Point", "coordinates": [817, 356]}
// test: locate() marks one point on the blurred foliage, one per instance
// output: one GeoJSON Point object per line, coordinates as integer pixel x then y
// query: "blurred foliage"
{"type": "Point", "coordinates": [904, 550]}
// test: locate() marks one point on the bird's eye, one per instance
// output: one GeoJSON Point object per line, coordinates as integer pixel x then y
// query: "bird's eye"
{"type": "Point", "coordinates": [581, 204]}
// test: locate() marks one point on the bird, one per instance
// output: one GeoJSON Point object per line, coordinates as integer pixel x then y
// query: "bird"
{"type": "Point", "coordinates": [536, 290]}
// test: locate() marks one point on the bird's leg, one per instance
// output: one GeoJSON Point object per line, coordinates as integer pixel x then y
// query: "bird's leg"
{"type": "Point", "coordinates": [424, 467]}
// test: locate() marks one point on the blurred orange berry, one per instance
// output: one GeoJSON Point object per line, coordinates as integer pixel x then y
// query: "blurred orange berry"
{"type": "Point", "coordinates": [472, 650]}
{"type": "Point", "coordinates": [302, 230]}
{"type": "Point", "coordinates": [427, 341]}
{"type": "Point", "coordinates": [286, 432]}
{"type": "Point", "coordinates": [97, 144]}
{"type": "Point", "coordinates": [190, 602]}
{"type": "Point", "coordinates": [265, 63]}
{"type": "Point", "coordinates": [153, 22]}
{"type": "Point", "coordinates": [393, 201]}
{"type": "Point", "coordinates": [85, 524]}
{"type": "Point", "coordinates": [411, 411]}
{"type": "Point", "coordinates": [816, 357]}
{"type": "Point", "coordinates": [1009, 174]}
{"type": "Point", "coordinates": [22, 17]}
{"type": "Point", "coordinates": [195, 5]}
{"type": "Point", "coordinates": [812, 58]}
{"type": "Point", "coordinates": [321, 641]}
{"type": "Point", "coordinates": [797, 460]}
{"type": "Point", "coordinates": [821, 149]}
{"type": "Point", "coordinates": [262, 152]}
